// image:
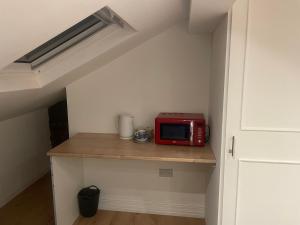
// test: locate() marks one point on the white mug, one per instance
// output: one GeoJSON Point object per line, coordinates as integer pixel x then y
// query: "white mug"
{"type": "Point", "coordinates": [125, 126]}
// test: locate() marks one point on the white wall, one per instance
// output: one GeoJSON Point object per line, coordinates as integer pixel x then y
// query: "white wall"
{"type": "Point", "coordinates": [169, 72]}
{"type": "Point", "coordinates": [67, 180]}
{"type": "Point", "coordinates": [216, 115]}
{"type": "Point", "coordinates": [24, 141]}
{"type": "Point", "coordinates": [135, 186]}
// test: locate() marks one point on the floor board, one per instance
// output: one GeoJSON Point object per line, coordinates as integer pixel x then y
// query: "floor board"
{"type": "Point", "coordinates": [34, 206]}
{"type": "Point", "coordinates": [104, 217]}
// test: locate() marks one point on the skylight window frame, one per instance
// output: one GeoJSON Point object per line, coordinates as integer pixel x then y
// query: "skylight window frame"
{"type": "Point", "coordinates": [57, 49]}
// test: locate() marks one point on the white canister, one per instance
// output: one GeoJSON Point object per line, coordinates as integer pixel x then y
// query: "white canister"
{"type": "Point", "coordinates": [125, 125]}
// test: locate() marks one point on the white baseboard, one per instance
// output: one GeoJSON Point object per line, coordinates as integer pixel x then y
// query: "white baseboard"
{"type": "Point", "coordinates": [10, 197]}
{"type": "Point", "coordinates": [194, 209]}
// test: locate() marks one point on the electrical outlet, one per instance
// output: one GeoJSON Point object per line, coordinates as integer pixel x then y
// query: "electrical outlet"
{"type": "Point", "coordinates": [165, 172]}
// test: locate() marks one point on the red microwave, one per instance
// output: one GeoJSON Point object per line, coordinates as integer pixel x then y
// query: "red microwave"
{"type": "Point", "coordinates": [180, 129]}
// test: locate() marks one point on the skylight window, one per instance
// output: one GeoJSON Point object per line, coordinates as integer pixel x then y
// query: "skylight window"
{"type": "Point", "coordinates": [70, 37]}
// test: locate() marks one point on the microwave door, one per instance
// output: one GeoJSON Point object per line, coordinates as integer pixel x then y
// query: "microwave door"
{"type": "Point", "coordinates": [176, 132]}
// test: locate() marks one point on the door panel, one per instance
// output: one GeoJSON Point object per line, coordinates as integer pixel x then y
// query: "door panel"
{"type": "Point", "coordinates": [270, 145]}
{"type": "Point", "coordinates": [266, 193]}
{"type": "Point", "coordinates": [271, 79]}
{"type": "Point", "coordinates": [263, 114]}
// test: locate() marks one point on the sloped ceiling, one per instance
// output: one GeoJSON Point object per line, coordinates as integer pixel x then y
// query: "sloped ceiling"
{"type": "Point", "coordinates": [205, 15]}
{"type": "Point", "coordinates": [27, 24]}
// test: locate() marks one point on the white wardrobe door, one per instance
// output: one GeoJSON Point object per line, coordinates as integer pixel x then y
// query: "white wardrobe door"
{"type": "Point", "coordinates": [261, 179]}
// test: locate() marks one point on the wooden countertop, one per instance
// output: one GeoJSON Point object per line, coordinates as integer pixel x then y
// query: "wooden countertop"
{"type": "Point", "coordinates": [110, 146]}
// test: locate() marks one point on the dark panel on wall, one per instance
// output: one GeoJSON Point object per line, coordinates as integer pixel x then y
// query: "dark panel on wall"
{"type": "Point", "coordinates": [58, 123]}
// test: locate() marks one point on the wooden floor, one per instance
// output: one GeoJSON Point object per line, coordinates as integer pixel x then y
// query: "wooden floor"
{"type": "Point", "coordinates": [34, 206]}
{"type": "Point", "coordinates": [124, 218]}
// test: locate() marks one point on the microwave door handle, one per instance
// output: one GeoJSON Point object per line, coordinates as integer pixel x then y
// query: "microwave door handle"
{"type": "Point", "coordinates": [192, 132]}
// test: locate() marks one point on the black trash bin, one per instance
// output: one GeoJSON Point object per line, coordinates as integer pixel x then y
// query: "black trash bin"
{"type": "Point", "coordinates": [88, 199]}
